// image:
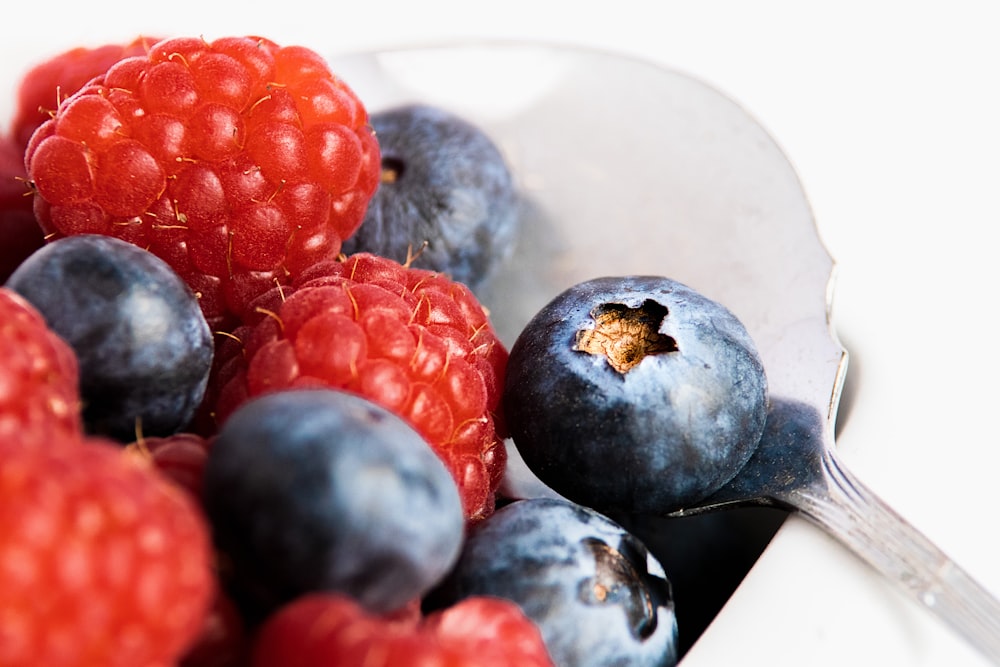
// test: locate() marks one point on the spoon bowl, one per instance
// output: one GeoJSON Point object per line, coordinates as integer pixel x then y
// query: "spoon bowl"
{"type": "Point", "coordinates": [630, 168]}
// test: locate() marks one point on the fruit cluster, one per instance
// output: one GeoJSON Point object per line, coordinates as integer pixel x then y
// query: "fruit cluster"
{"type": "Point", "coordinates": [253, 412]}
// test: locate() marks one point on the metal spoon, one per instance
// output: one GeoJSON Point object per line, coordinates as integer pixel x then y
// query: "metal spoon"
{"type": "Point", "coordinates": [630, 168]}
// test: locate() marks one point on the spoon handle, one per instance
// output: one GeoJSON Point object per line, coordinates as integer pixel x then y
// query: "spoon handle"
{"type": "Point", "coordinates": [852, 513]}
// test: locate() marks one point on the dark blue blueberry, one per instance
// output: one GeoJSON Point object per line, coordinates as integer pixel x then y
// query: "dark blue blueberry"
{"type": "Point", "coordinates": [634, 394]}
{"type": "Point", "coordinates": [597, 595]}
{"type": "Point", "coordinates": [321, 490]}
{"type": "Point", "coordinates": [445, 183]}
{"type": "Point", "coordinates": [143, 345]}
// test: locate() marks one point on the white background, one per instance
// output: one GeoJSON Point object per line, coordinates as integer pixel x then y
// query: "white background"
{"type": "Point", "coordinates": [890, 113]}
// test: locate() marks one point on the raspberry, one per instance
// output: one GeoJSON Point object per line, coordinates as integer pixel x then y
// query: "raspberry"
{"type": "Point", "coordinates": [47, 83]}
{"type": "Point", "coordinates": [223, 640]}
{"type": "Point", "coordinates": [20, 234]}
{"type": "Point", "coordinates": [39, 377]}
{"type": "Point", "coordinates": [239, 162]}
{"type": "Point", "coordinates": [411, 340]}
{"type": "Point", "coordinates": [180, 457]}
{"type": "Point", "coordinates": [331, 630]}
{"type": "Point", "coordinates": [101, 561]}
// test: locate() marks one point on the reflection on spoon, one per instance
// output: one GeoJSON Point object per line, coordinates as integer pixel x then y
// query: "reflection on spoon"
{"type": "Point", "coordinates": [796, 467]}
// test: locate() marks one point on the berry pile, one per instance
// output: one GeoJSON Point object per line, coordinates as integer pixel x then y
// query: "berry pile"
{"type": "Point", "coordinates": [411, 340]}
{"type": "Point", "coordinates": [164, 190]}
{"type": "Point", "coordinates": [143, 346]}
{"type": "Point", "coordinates": [102, 560]}
{"type": "Point", "coordinates": [235, 432]}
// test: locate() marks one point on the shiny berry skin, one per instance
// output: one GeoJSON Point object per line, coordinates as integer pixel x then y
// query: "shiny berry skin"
{"type": "Point", "coordinates": [39, 377]}
{"type": "Point", "coordinates": [46, 84]}
{"type": "Point", "coordinates": [319, 490]}
{"type": "Point", "coordinates": [411, 340]}
{"type": "Point", "coordinates": [238, 161]}
{"type": "Point", "coordinates": [101, 561]}
{"type": "Point", "coordinates": [598, 596]}
{"type": "Point", "coordinates": [635, 394]}
{"type": "Point", "coordinates": [447, 196]}
{"type": "Point", "coordinates": [143, 346]}
{"type": "Point", "coordinates": [335, 630]}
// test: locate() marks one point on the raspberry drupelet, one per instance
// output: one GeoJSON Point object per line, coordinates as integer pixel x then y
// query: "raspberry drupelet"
{"type": "Point", "coordinates": [238, 161]}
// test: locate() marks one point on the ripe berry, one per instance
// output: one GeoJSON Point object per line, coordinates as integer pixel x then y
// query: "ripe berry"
{"type": "Point", "coordinates": [321, 490]}
{"type": "Point", "coordinates": [223, 640]}
{"type": "Point", "coordinates": [238, 161]}
{"type": "Point", "coordinates": [444, 184]}
{"type": "Point", "coordinates": [20, 234]}
{"type": "Point", "coordinates": [635, 394]}
{"type": "Point", "coordinates": [46, 84]}
{"type": "Point", "coordinates": [181, 458]}
{"type": "Point", "coordinates": [334, 630]}
{"type": "Point", "coordinates": [39, 377]}
{"type": "Point", "coordinates": [411, 340]}
{"type": "Point", "coordinates": [101, 561]}
{"type": "Point", "coordinates": [144, 348]}
{"type": "Point", "coordinates": [599, 598]}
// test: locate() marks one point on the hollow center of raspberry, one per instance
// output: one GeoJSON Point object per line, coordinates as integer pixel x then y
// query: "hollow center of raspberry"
{"type": "Point", "coordinates": [624, 335]}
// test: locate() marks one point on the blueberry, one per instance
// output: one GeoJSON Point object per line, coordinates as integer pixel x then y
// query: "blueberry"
{"type": "Point", "coordinates": [320, 490]}
{"type": "Point", "coordinates": [142, 342]}
{"type": "Point", "coordinates": [444, 183]}
{"type": "Point", "coordinates": [634, 394]}
{"type": "Point", "coordinates": [597, 595]}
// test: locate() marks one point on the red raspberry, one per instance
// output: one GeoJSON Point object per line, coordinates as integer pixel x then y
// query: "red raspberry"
{"type": "Point", "coordinates": [411, 340]}
{"type": "Point", "coordinates": [239, 162]}
{"type": "Point", "coordinates": [20, 234]}
{"type": "Point", "coordinates": [180, 457]}
{"type": "Point", "coordinates": [39, 377]}
{"type": "Point", "coordinates": [324, 629]}
{"type": "Point", "coordinates": [45, 85]}
{"type": "Point", "coordinates": [223, 641]}
{"type": "Point", "coordinates": [102, 562]}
